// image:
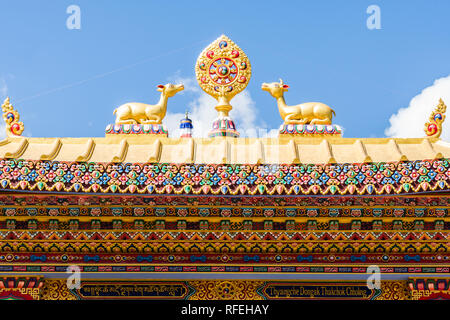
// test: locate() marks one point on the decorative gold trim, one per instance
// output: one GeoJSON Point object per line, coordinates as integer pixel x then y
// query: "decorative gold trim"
{"type": "Point", "coordinates": [433, 128]}
{"type": "Point", "coordinates": [190, 151]}
{"type": "Point", "coordinates": [88, 153]}
{"type": "Point", "coordinates": [56, 290]}
{"type": "Point", "coordinates": [226, 289]}
{"type": "Point", "coordinates": [34, 293]}
{"type": "Point", "coordinates": [418, 294]}
{"type": "Point", "coordinates": [328, 151]}
{"type": "Point", "coordinates": [394, 290]}
{"type": "Point", "coordinates": [56, 146]}
{"type": "Point", "coordinates": [123, 148]}
{"type": "Point", "coordinates": [258, 151]}
{"type": "Point", "coordinates": [294, 152]}
{"type": "Point", "coordinates": [14, 128]}
{"type": "Point", "coordinates": [225, 149]}
{"type": "Point", "coordinates": [363, 149]}
{"type": "Point", "coordinates": [207, 151]}
{"type": "Point", "coordinates": [156, 151]}
{"type": "Point", "coordinates": [20, 150]}
{"type": "Point", "coordinates": [5, 141]}
{"type": "Point", "coordinates": [396, 147]}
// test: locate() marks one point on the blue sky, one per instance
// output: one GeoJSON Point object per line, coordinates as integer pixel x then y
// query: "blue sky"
{"type": "Point", "coordinates": [67, 82]}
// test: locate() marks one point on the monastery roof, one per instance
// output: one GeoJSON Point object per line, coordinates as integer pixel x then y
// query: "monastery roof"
{"type": "Point", "coordinates": [282, 150]}
{"type": "Point", "coordinates": [309, 156]}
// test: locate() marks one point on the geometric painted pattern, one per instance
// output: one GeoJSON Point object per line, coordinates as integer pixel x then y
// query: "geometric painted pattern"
{"type": "Point", "coordinates": [145, 178]}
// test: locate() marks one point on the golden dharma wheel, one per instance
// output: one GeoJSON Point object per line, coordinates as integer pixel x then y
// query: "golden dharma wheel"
{"type": "Point", "coordinates": [223, 69]}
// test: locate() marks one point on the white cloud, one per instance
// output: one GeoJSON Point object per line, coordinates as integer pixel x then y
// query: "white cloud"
{"type": "Point", "coordinates": [190, 84]}
{"type": "Point", "coordinates": [202, 112]}
{"type": "Point", "coordinates": [409, 122]}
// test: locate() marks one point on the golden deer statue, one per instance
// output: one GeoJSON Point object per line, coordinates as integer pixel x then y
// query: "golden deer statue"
{"type": "Point", "coordinates": [141, 113]}
{"type": "Point", "coordinates": [305, 113]}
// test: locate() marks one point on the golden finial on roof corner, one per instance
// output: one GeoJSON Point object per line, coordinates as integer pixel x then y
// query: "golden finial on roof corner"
{"type": "Point", "coordinates": [433, 128]}
{"type": "Point", "coordinates": [13, 126]}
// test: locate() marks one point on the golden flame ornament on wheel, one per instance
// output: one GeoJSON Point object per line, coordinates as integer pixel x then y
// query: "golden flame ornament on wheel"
{"type": "Point", "coordinates": [223, 70]}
